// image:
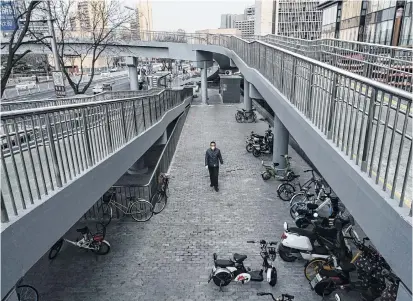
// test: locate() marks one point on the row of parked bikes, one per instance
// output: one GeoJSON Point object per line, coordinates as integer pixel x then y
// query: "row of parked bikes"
{"type": "Point", "coordinates": [337, 260]}
{"type": "Point", "coordinates": [139, 209]}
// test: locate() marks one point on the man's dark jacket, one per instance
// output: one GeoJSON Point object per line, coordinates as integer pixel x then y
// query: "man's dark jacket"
{"type": "Point", "coordinates": [213, 157]}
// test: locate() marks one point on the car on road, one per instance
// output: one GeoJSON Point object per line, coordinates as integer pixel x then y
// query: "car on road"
{"type": "Point", "coordinates": [98, 88]}
{"type": "Point", "coordinates": [113, 69]}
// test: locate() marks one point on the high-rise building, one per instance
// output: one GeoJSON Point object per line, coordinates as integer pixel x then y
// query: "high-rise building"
{"type": "Point", "coordinates": [244, 22]}
{"type": "Point", "coordinates": [387, 22]}
{"type": "Point", "coordinates": [299, 18]}
{"type": "Point", "coordinates": [144, 12]}
{"type": "Point", "coordinates": [228, 20]}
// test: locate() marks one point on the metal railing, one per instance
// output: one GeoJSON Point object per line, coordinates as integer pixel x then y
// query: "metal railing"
{"type": "Point", "coordinates": [30, 104]}
{"type": "Point", "coordinates": [53, 145]}
{"type": "Point", "coordinates": [368, 120]}
{"type": "Point", "coordinates": [123, 193]}
{"type": "Point", "coordinates": [387, 64]}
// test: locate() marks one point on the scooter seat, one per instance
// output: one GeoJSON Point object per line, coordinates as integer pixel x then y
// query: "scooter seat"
{"type": "Point", "coordinates": [239, 258]}
{"type": "Point", "coordinates": [83, 230]}
{"type": "Point", "coordinates": [222, 263]}
{"type": "Point", "coordinates": [256, 275]}
{"type": "Point", "coordinates": [302, 232]}
{"type": "Point", "coordinates": [320, 250]}
{"type": "Point", "coordinates": [258, 136]}
{"type": "Point", "coordinates": [312, 206]}
{"type": "Point", "coordinates": [329, 273]}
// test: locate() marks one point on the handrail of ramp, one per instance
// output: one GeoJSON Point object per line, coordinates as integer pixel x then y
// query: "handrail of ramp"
{"type": "Point", "coordinates": [368, 120]}
{"type": "Point", "coordinates": [147, 190]}
{"type": "Point", "coordinates": [28, 104]}
{"type": "Point", "coordinates": [55, 145]}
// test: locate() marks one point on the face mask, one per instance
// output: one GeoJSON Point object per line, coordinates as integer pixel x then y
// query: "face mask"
{"type": "Point", "coordinates": [212, 147]}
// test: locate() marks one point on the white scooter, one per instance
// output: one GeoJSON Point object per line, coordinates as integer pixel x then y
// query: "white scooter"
{"type": "Point", "coordinates": [297, 242]}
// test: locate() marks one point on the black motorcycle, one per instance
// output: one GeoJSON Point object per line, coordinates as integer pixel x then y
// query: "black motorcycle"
{"type": "Point", "coordinates": [264, 147]}
{"type": "Point", "coordinates": [243, 115]}
{"type": "Point", "coordinates": [304, 213]}
{"type": "Point", "coordinates": [258, 139]}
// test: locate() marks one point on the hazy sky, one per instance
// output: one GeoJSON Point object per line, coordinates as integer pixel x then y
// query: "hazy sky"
{"type": "Point", "coordinates": [191, 15]}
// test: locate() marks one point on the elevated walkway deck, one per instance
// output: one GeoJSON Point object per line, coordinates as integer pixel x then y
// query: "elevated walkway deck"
{"type": "Point", "coordinates": [170, 257]}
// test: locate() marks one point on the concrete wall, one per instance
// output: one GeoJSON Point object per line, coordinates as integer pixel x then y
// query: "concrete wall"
{"type": "Point", "coordinates": [29, 237]}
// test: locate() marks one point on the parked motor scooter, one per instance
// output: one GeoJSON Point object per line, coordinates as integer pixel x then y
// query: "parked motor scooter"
{"type": "Point", "coordinates": [296, 242]}
{"type": "Point", "coordinates": [225, 271]}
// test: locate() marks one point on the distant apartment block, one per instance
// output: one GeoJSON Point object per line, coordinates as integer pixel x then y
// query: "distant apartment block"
{"type": "Point", "coordinates": [387, 22]}
{"type": "Point", "coordinates": [298, 19]}
{"type": "Point", "coordinates": [243, 22]}
{"type": "Point", "coordinates": [223, 31]}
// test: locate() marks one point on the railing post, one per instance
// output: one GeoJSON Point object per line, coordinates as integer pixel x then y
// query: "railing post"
{"type": "Point", "coordinates": [135, 119]}
{"type": "Point", "coordinates": [369, 130]}
{"type": "Point", "coordinates": [334, 100]}
{"type": "Point", "coordinates": [282, 72]}
{"type": "Point", "coordinates": [108, 133]}
{"type": "Point", "coordinates": [4, 215]}
{"type": "Point", "coordinates": [293, 80]}
{"type": "Point", "coordinates": [125, 135]}
{"type": "Point", "coordinates": [87, 138]}
{"type": "Point", "coordinates": [310, 91]}
{"type": "Point", "coordinates": [53, 152]}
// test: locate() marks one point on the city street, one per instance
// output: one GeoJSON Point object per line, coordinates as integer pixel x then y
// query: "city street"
{"type": "Point", "coordinates": [120, 80]}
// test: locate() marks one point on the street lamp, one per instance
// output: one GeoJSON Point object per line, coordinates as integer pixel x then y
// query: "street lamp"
{"type": "Point", "coordinates": [51, 30]}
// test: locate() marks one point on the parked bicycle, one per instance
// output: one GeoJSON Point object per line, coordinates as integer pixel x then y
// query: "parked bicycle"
{"type": "Point", "coordinates": [287, 189]}
{"type": "Point", "coordinates": [278, 173]}
{"type": "Point", "coordinates": [140, 209]}
{"type": "Point", "coordinates": [24, 292]}
{"type": "Point", "coordinates": [243, 115]}
{"type": "Point", "coordinates": [160, 198]}
{"type": "Point", "coordinates": [88, 241]}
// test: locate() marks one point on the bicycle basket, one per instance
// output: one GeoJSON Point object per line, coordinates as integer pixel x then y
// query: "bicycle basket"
{"type": "Point", "coordinates": [108, 195]}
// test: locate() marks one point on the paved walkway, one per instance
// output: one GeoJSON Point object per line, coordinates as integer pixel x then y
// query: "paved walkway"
{"type": "Point", "coordinates": [170, 257]}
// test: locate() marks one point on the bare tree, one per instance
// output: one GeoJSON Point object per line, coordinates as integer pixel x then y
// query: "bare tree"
{"type": "Point", "coordinates": [22, 14]}
{"type": "Point", "coordinates": [94, 22]}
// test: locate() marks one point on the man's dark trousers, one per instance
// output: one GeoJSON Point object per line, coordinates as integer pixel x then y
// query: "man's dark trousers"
{"type": "Point", "coordinates": [213, 175]}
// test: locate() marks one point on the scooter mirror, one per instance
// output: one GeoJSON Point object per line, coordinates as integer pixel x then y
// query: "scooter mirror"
{"type": "Point", "coordinates": [315, 215]}
{"type": "Point", "coordinates": [285, 226]}
{"type": "Point", "coordinates": [337, 297]}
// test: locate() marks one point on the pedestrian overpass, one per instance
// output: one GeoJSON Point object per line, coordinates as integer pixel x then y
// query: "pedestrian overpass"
{"type": "Point", "coordinates": [356, 130]}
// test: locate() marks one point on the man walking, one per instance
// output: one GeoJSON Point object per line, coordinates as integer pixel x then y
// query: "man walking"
{"type": "Point", "coordinates": [212, 159]}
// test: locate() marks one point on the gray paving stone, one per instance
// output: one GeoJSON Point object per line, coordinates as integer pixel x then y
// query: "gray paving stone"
{"type": "Point", "coordinates": [170, 257]}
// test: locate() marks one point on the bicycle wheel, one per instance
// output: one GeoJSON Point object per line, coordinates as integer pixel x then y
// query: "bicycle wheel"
{"type": "Point", "coordinates": [27, 293]}
{"type": "Point", "coordinates": [285, 191]}
{"type": "Point", "coordinates": [102, 248]}
{"type": "Point", "coordinates": [314, 266]}
{"type": "Point", "coordinates": [293, 209]}
{"type": "Point", "coordinates": [299, 197]}
{"type": "Point", "coordinates": [105, 214]}
{"type": "Point", "coordinates": [141, 210]}
{"type": "Point", "coordinates": [158, 201]}
{"type": "Point", "coordinates": [55, 249]}
{"type": "Point", "coordinates": [239, 117]}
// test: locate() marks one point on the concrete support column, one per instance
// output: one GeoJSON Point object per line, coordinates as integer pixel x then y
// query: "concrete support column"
{"type": "Point", "coordinates": [247, 98]}
{"type": "Point", "coordinates": [281, 139]}
{"type": "Point", "coordinates": [131, 62]}
{"type": "Point", "coordinates": [138, 167]}
{"type": "Point", "coordinates": [204, 84]}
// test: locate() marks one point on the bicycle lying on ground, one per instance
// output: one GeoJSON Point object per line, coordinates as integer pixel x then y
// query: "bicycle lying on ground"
{"type": "Point", "coordinates": [140, 209]}
{"type": "Point", "coordinates": [94, 242]}
{"type": "Point", "coordinates": [24, 292]}
{"type": "Point", "coordinates": [284, 297]}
